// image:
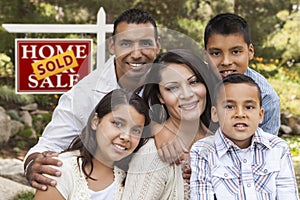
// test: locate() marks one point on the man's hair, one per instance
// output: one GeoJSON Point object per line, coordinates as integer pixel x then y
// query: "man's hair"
{"type": "Point", "coordinates": [135, 16]}
{"type": "Point", "coordinates": [236, 79]}
{"type": "Point", "coordinates": [225, 24]}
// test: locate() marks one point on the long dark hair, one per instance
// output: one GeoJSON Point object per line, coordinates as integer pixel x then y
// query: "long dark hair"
{"type": "Point", "coordinates": [86, 142]}
{"type": "Point", "coordinates": [203, 72]}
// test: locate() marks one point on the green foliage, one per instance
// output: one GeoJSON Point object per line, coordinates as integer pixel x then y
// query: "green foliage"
{"type": "Point", "coordinates": [286, 39]}
{"type": "Point", "coordinates": [8, 94]}
{"type": "Point", "coordinates": [24, 196]}
{"type": "Point", "coordinates": [26, 132]}
{"type": "Point", "coordinates": [39, 122]}
{"type": "Point", "coordinates": [285, 80]}
{"type": "Point", "coordinates": [289, 94]}
{"type": "Point", "coordinates": [6, 66]}
{"type": "Point", "coordinates": [294, 143]}
{"type": "Point", "coordinates": [13, 115]}
{"type": "Point", "coordinates": [46, 101]}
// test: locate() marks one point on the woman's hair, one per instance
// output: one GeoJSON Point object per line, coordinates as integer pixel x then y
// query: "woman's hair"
{"type": "Point", "coordinates": [86, 142]}
{"type": "Point", "coordinates": [202, 71]}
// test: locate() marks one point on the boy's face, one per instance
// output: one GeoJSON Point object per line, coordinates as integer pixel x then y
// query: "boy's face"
{"type": "Point", "coordinates": [238, 112]}
{"type": "Point", "coordinates": [229, 53]}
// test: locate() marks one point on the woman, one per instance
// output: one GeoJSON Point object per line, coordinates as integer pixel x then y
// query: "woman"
{"type": "Point", "coordinates": [94, 163]}
{"type": "Point", "coordinates": [178, 89]}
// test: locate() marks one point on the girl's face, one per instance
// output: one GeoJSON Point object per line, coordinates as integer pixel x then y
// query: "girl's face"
{"type": "Point", "coordinates": [181, 92]}
{"type": "Point", "coordinates": [118, 133]}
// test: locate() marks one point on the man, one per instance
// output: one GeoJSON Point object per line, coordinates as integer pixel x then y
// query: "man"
{"type": "Point", "coordinates": [135, 43]}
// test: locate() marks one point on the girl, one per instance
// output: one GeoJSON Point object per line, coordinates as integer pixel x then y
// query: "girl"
{"type": "Point", "coordinates": [94, 164]}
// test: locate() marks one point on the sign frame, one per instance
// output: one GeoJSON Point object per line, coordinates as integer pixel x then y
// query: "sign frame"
{"type": "Point", "coordinates": [82, 72]}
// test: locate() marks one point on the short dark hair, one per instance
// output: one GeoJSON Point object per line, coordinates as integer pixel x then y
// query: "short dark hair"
{"type": "Point", "coordinates": [135, 16]}
{"type": "Point", "coordinates": [225, 24]}
{"type": "Point", "coordinates": [202, 71]}
{"type": "Point", "coordinates": [236, 79]}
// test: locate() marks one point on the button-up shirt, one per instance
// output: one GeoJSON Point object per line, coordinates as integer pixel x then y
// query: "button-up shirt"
{"type": "Point", "coordinates": [74, 108]}
{"type": "Point", "coordinates": [263, 171]}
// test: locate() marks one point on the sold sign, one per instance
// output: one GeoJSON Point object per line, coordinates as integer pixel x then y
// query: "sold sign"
{"type": "Point", "coordinates": [51, 65]}
{"type": "Point", "coordinates": [54, 65]}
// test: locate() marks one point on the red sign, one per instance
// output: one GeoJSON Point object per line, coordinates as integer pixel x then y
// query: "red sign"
{"type": "Point", "coordinates": [51, 65]}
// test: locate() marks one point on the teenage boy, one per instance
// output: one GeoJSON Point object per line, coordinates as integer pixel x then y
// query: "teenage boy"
{"type": "Point", "coordinates": [241, 161]}
{"type": "Point", "coordinates": [228, 47]}
{"type": "Point", "coordinates": [135, 44]}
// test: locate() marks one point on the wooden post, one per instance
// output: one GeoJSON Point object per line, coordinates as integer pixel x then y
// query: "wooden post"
{"type": "Point", "coordinates": [101, 28]}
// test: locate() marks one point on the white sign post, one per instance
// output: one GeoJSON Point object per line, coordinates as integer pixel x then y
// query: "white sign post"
{"type": "Point", "coordinates": [101, 28]}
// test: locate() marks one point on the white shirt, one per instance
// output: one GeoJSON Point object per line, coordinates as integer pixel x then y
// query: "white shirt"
{"type": "Point", "coordinates": [107, 193]}
{"type": "Point", "coordinates": [74, 108]}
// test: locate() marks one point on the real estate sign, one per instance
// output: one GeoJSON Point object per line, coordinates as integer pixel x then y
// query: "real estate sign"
{"type": "Point", "coordinates": [51, 65]}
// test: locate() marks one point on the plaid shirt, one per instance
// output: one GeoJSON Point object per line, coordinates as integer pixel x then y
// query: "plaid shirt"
{"type": "Point", "coordinates": [264, 171]}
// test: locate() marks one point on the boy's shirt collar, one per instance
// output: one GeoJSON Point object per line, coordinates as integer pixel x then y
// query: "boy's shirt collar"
{"type": "Point", "coordinates": [223, 144]}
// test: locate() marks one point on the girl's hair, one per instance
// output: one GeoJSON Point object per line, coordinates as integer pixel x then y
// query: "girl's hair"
{"type": "Point", "coordinates": [86, 142]}
{"type": "Point", "coordinates": [203, 72]}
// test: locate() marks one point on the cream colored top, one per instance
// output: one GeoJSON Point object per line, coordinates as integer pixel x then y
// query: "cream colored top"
{"type": "Point", "coordinates": [149, 178]}
{"type": "Point", "coordinates": [72, 183]}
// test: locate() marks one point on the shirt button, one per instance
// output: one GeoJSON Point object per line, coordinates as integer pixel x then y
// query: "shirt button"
{"type": "Point", "coordinates": [245, 160]}
{"type": "Point", "coordinates": [265, 171]}
{"type": "Point", "coordinates": [248, 185]}
{"type": "Point", "coordinates": [225, 174]}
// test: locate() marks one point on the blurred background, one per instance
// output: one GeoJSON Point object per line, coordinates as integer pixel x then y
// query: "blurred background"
{"type": "Point", "coordinates": [275, 32]}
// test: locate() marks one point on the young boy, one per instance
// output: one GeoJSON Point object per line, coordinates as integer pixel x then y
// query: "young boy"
{"type": "Point", "coordinates": [228, 47]}
{"type": "Point", "coordinates": [241, 161]}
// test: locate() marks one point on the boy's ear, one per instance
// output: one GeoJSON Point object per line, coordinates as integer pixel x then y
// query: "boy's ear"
{"type": "Point", "coordinates": [251, 51]}
{"type": "Point", "coordinates": [261, 115]}
{"type": "Point", "coordinates": [111, 46]}
{"type": "Point", "coordinates": [95, 122]}
{"type": "Point", "coordinates": [214, 115]}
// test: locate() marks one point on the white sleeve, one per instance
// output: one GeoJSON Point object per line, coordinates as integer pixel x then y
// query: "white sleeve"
{"type": "Point", "coordinates": [63, 127]}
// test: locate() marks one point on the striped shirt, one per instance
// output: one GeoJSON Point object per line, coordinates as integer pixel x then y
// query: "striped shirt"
{"type": "Point", "coordinates": [270, 103]}
{"type": "Point", "coordinates": [263, 171]}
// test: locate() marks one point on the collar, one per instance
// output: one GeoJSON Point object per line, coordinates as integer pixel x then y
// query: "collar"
{"type": "Point", "coordinates": [223, 144]}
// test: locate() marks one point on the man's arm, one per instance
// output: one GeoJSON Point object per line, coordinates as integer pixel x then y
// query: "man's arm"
{"type": "Point", "coordinates": [57, 136]}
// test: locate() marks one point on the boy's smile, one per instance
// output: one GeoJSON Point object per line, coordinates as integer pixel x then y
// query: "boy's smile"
{"type": "Point", "coordinates": [229, 53]}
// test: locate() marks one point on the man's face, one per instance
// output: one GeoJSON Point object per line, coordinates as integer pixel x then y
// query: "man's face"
{"type": "Point", "coordinates": [229, 53]}
{"type": "Point", "coordinates": [134, 47]}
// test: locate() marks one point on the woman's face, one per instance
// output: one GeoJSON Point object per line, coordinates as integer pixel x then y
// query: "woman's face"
{"type": "Point", "coordinates": [118, 133]}
{"type": "Point", "coordinates": [181, 92]}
